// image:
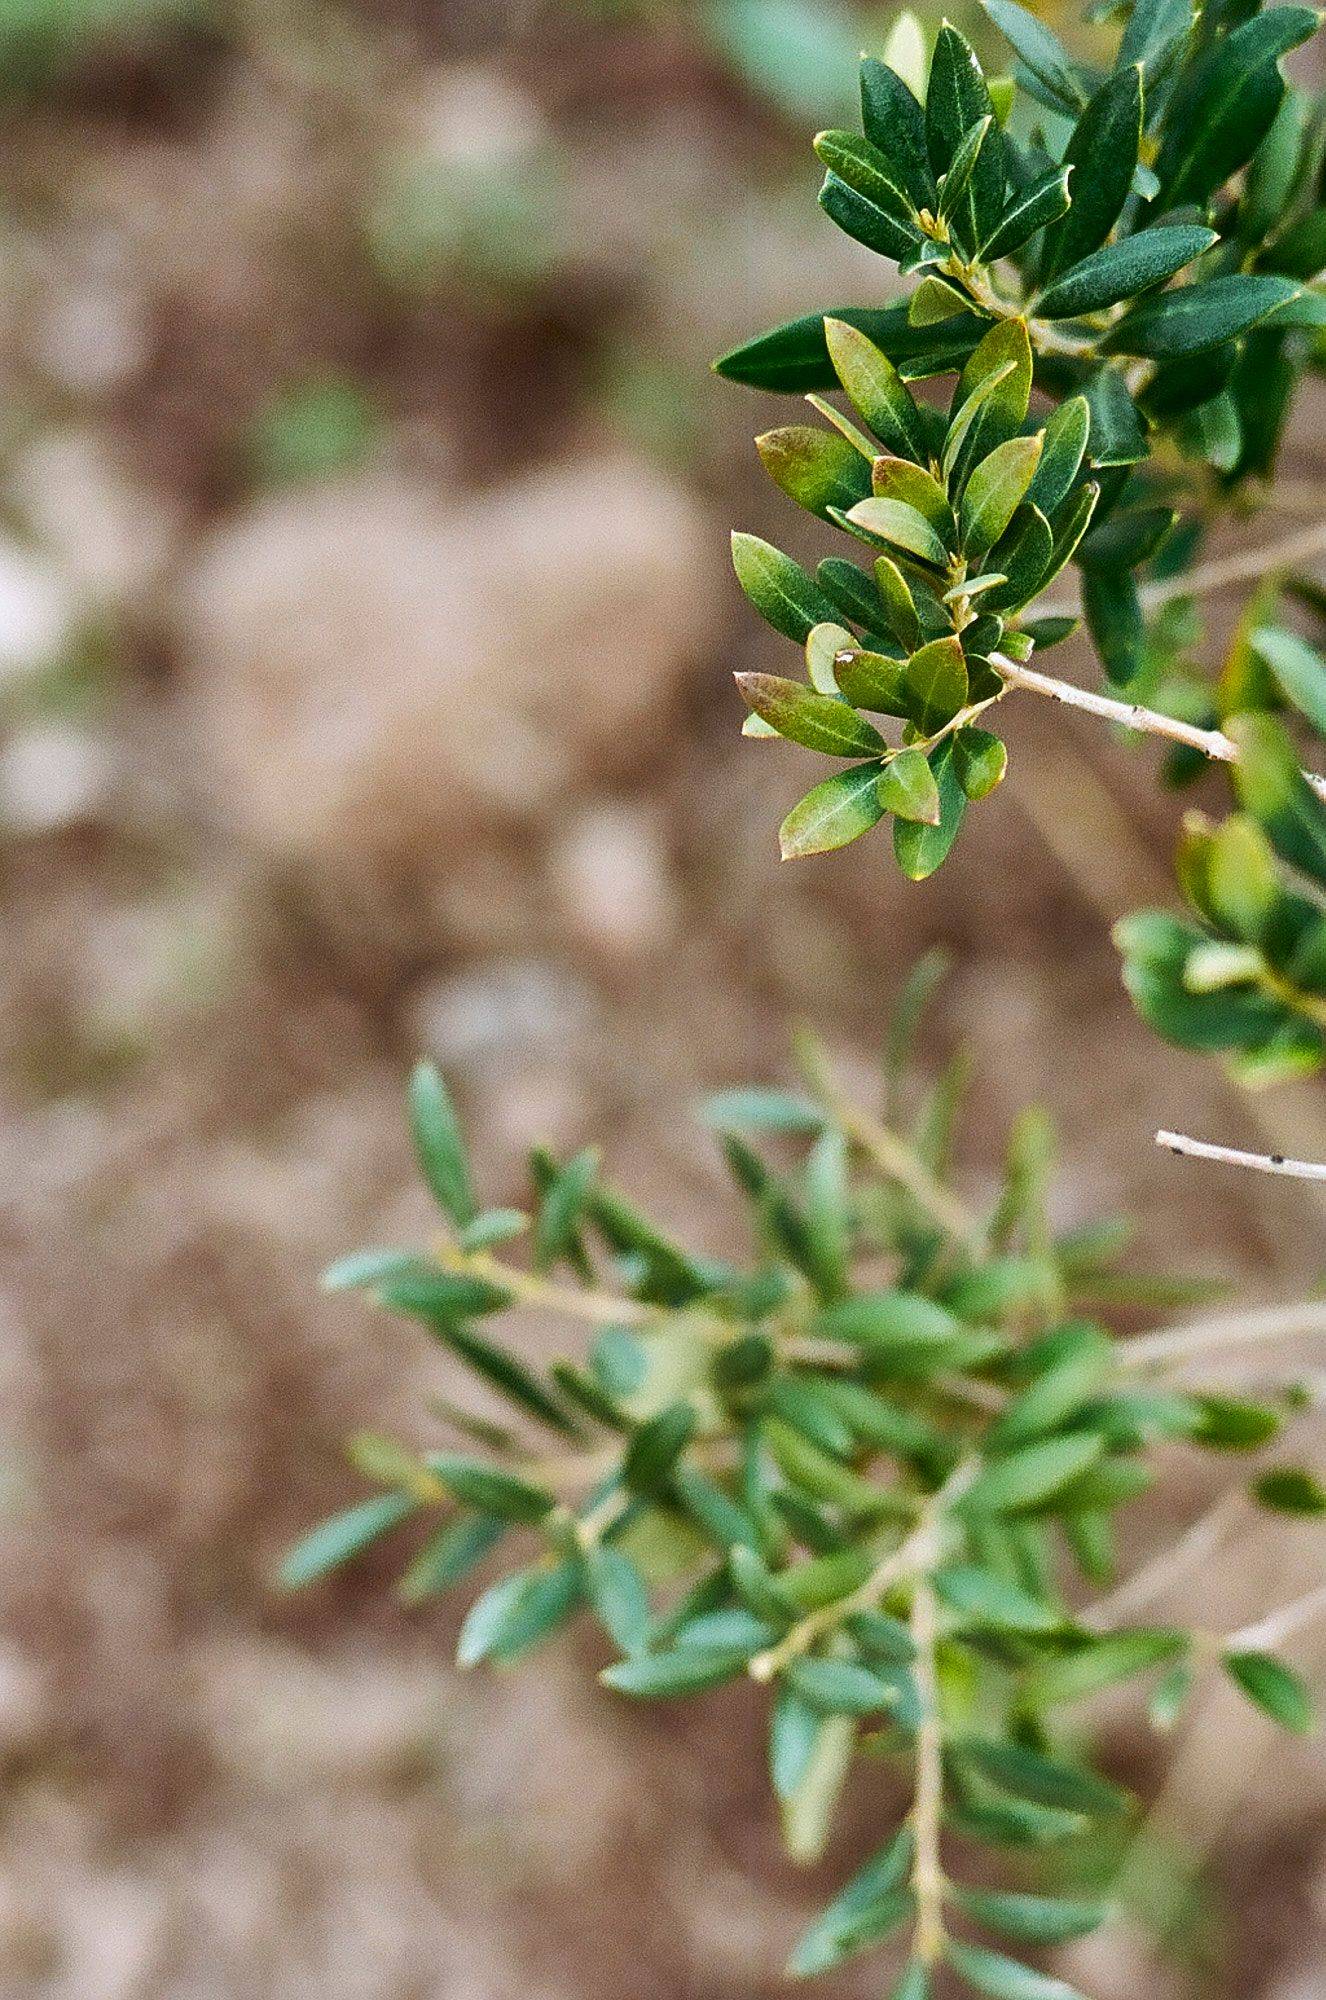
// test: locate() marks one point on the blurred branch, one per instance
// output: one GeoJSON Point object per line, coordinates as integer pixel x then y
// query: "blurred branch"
{"type": "Point", "coordinates": [1235, 1156]}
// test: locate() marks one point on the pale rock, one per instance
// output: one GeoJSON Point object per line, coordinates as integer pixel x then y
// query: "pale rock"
{"type": "Point", "coordinates": [610, 876]}
{"type": "Point", "coordinates": [37, 612]}
{"type": "Point", "coordinates": [493, 1015]}
{"type": "Point", "coordinates": [111, 536]}
{"type": "Point", "coordinates": [54, 775]}
{"type": "Point", "coordinates": [377, 675]}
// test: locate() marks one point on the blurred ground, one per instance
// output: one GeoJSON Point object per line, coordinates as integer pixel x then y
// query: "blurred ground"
{"type": "Point", "coordinates": [365, 640]}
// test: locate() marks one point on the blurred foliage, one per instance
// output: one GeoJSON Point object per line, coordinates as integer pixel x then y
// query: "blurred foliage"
{"type": "Point", "coordinates": [855, 1469]}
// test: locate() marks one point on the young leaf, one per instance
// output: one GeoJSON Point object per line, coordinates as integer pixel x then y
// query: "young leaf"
{"type": "Point", "coordinates": [994, 492]}
{"type": "Point", "coordinates": [835, 812]}
{"type": "Point", "coordinates": [919, 849]}
{"type": "Point", "coordinates": [1038, 1920]}
{"type": "Point", "coordinates": [873, 680]}
{"type": "Point", "coordinates": [876, 1884]}
{"type": "Point", "coordinates": [1299, 670]}
{"type": "Point", "coordinates": [907, 788]}
{"type": "Point", "coordinates": [818, 469]}
{"type": "Point", "coordinates": [877, 390]}
{"type": "Point", "coordinates": [956, 100]}
{"type": "Point", "coordinates": [1274, 1688]}
{"type": "Point", "coordinates": [979, 760]}
{"type": "Point", "coordinates": [489, 1489]}
{"type": "Point", "coordinates": [814, 720]}
{"type": "Point", "coordinates": [686, 1670]}
{"type": "Point", "coordinates": [1099, 1663]}
{"type": "Point", "coordinates": [518, 1612]}
{"type": "Point", "coordinates": [449, 1556]}
{"type": "Point", "coordinates": [936, 684]}
{"type": "Point", "coordinates": [897, 522]}
{"type": "Point", "coordinates": [841, 1687]}
{"type": "Point", "coordinates": [1287, 1489]}
{"type": "Point", "coordinates": [617, 1592]}
{"type": "Point", "coordinates": [438, 1144]}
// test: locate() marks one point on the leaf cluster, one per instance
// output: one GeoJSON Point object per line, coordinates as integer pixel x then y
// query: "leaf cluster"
{"type": "Point", "coordinates": [874, 1469]}
{"type": "Point", "coordinates": [1114, 263]}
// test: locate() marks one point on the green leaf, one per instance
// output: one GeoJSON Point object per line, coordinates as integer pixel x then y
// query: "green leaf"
{"type": "Point", "coordinates": [1103, 149]}
{"type": "Point", "coordinates": [862, 167]}
{"type": "Point", "coordinates": [794, 357]}
{"type": "Point", "coordinates": [617, 1592]}
{"type": "Point", "coordinates": [1298, 668]}
{"type": "Point", "coordinates": [438, 1144]}
{"type": "Point", "coordinates": [1169, 1697]}
{"type": "Point", "coordinates": [1192, 319]}
{"type": "Point", "coordinates": [518, 1612]}
{"type": "Point", "coordinates": [835, 812]}
{"type": "Point", "coordinates": [1287, 1489]}
{"type": "Point", "coordinates": [1039, 1920]}
{"type": "Point", "coordinates": [449, 1556]}
{"type": "Point", "coordinates": [897, 522]}
{"type": "Point", "coordinates": [995, 490]}
{"type": "Point", "coordinates": [1114, 618]}
{"type": "Point", "coordinates": [979, 760]}
{"type": "Point", "coordinates": [895, 125]}
{"type": "Point", "coordinates": [981, 1597]}
{"type": "Point", "coordinates": [899, 479]}
{"type": "Point", "coordinates": [1031, 1477]}
{"type": "Point", "coordinates": [1230, 1423]}
{"type": "Point", "coordinates": [993, 394]}
{"type": "Point", "coordinates": [781, 591]}
{"type": "Point", "coordinates": [335, 1541]}
{"type": "Point", "coordinates": [873, 680]}
{"type": "Point", "coordinates": [936, 684]}
{"type": "Point", "coordinates": [1062, 453]}
{"type": "Point", "coordinates": [914, 1984]}
{"type": "Point", "coordinates": [1274, 1688]}
{"type": "Point", "coordinates": [876, 389]}
{"type": "Point", "coordinates": [874, 1886]}
{"type": "Point", "coordinates": [687, 1670]}
{"type": "Point", "coordinates": [900, 613]}
{"type": "Point", "coordinates": [1043, 54]}
{"type": "Point", "coordinates": [957, 99]}
{"type": "Point", "coordinates": [870, 222]}
{"type": "Point", "coordinates": [1026, 556]}
{"type": "Point", "coordinates": [495, 1225]}
{"type": "Point", "coordinates": [1227, 106]}
{"type": "Point", "coordinates": [1100, 1663]}
{"type": "Point", "coordinates": [906, 787]}
{"type": "Point", "coordinates": [363, 1268]}
{"type": "Point", "coordinates": [818, 469]}
{"type": "Point", "coordinates": [489, 1489]}
{"type": "Point", "coordinates": [816, 721]}
{"type": "Point", "coordinates": [1122, 270]}
{"type": "Point", "coordinates": [1043, 1780]}
{"type": "Point", "coordinates": [505, 1372]}
{"type": "Point", "coordinates": [656, 1447]}
{"type": "Point", "coordinates": [841, 1687]}
{"type": "Point", "coordinates": [1273, 789]}
{"type": "Point", "coordinates": [1036, 208]}
{"type": "Point", "coordinates": [919, 849]}
{"type": "Point", "coordinates": [562, 1207]}
{"type": "Point", "coordinates": [1003, 1978]}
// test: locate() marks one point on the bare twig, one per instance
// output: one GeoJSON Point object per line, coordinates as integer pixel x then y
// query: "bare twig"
{"type": "Point", "coordinates": [1242, 567]}
{"type": "Point", "coordinates": [1235, 1156]}
{"type": "Point", "coordinates": [1155, 1578]}
{"type": "Point", "coordinates": [928, 1804]}
{"type": "Point", "coordinates": [1272, 1631]}
{"type": "Point", "coordinates": [1199, 1339]}
{"type": "Point", "coordinates": [1212, 743]}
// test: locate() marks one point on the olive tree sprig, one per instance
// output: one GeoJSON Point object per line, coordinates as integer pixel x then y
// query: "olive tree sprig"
{"type": "Point", "coordinates": [1133, 244]}
{"type": "Point", "coordinates": [873, 1471]}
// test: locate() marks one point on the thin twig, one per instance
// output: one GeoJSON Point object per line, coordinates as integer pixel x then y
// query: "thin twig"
{"type": "Point", "coordinates": [1272, 1631]}
{"type": "Point", "coordinates": [896, 1160]}
{"type": "Point", "coordinates": [928, 1803]}
{"type": "Point", "coordinates": [1212, 743]}
{"type": "Point", "coordinates": [1242, 567]}
{"type": "Point", "coordinates": [1155, 1578]}
{"type": "Point", "coordinates": [1306, 1318]}
{"type": "Point", "coordinates": [527, 1288]}
{"type": "Point", "coordinates": [1235, 1156]}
